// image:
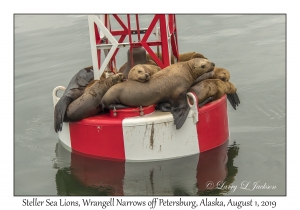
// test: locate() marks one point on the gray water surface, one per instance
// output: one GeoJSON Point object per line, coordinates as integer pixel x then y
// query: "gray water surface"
{"type": "Point", "coordinates": [50, 49]}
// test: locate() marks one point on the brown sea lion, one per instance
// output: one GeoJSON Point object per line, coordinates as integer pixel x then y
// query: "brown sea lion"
{"type": "Point", "coordinates": [182, 57]}
{"type": "Point", "coordinates": [221, 73]}
{"type": "Point", "coordinates": [74, 90]}
{"type": "Point", "coordinates": [87, 105]}
{"type": "Point", "coordinates": [170, 85]}
{"type": "Point", "coordinates": [218, 73]}
{"type": "Point", "coordinates": [213, 89]}
{"type": "Point", "coordinates": [190, 55]}
{"type": "Point", "coordinates": [142, 72]}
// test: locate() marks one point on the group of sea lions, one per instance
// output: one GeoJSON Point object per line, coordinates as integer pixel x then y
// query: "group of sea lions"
{"type": "Point", "coordinates": [146, 84]}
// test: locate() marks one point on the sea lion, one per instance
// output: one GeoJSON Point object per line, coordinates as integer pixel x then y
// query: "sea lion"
{"type": "Point", "coordinates": [221, 73]}
{"type": "Point", "coordinates": [213, 89]}
{"type": "Point", "coordinates": [190, 55]}
{"type": "Point", "coordinates": [170, 85]}
{"type": "Point", "coordinates": [182, 57]}
{"type": "Point", "coordinates": [88, 104]}
{"type": "Point", "coordinates": [138, 57]}
{"type": "Point", "coordinates": [142, 72]}
{"type": "Point", "coordinates": [74, 90]}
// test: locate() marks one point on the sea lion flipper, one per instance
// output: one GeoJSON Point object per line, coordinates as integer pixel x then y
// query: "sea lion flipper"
{"type": "Point", "coordinates": [180, 114]}
{"type": "Point", "coordinates": [236, 98]}
{"type": "Point", "coordinates": [59, 112]}
{"type": "Point", "coordinates": [209, 99]}
{"type": "Point", "coordinates": [180, 110]}
{"type": "Point", "coordinates": [164, 106]}
{"type": "Point", "coordinates": [233, 99]}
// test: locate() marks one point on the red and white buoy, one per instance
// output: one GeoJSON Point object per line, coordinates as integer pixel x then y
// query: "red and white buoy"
{"type": "Point", "coordinates": [142, 133]}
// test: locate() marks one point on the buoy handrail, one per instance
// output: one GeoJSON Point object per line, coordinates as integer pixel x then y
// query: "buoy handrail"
{"type": "Point", "coordinates": [54, 94]}
{"type": "Point", "coordinates": [193, 105]}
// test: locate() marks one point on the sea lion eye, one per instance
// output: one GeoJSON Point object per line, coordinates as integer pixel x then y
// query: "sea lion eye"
{"type": "Point", "coordinates": [139, 71]}
{"type": "Point", "coordinates": [203, 66]}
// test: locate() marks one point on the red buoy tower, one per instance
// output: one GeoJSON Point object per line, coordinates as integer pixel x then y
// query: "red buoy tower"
{"type": "Point", "coordinates": [103, 37]}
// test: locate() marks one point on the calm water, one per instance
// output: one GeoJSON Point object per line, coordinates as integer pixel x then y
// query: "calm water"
{"type": "Point", "coordinates": [50, 49]}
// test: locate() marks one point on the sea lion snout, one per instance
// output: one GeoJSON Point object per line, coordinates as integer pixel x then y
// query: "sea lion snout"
{"type": "Point", "coordinates": [213, 64]}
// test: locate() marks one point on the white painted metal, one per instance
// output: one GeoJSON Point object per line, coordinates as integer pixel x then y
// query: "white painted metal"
{"type": "Point", "coordinates": [54, 94]}
{"type": "Point", "coordinates": [194, 107]}
{"type": "Point", "coordinates": [64, 136]}
{"type": "Point", "coordinates": [93, 46]}
{"type": "Point", "coordinates": [102, 18]}
{"type": "Point", "coordinates": [162, 177]}
{"type": "Point", "coordinates": [94, 19]}
{"type": "Point", "coordinates": [155, 137]}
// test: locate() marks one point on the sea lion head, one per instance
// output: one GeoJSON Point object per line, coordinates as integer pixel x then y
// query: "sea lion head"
{"type": "Point", "coordinates": [199, 66]}
{"type": "Point", "coordinates": [139, 73]}
{"type": "Point", "coordinates": [84, 76]}
{"type": "Point", "coordinates": [222, 74]}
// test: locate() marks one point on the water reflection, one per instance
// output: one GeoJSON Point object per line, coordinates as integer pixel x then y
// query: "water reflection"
{"type": "Point", "coordinates": [81, 175]}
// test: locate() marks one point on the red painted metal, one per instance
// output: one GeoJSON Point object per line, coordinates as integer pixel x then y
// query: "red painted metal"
{"type": "Point", "coordinates": [144, 42]}
{"type": "Point", "coordinates": [164, 40]}
{"type": "Point", "coordinates": [130, 42]}
{"type": "Point", "coordinates": [173, 32]}
{"type": "Point", "coordinates": [100, 135]}
{"type": "Point", "coordinates": [212, 127]}
{"type": "Point", "coordinates": [132, 112]}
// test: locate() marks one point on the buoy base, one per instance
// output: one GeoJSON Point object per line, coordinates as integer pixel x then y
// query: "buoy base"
{"type": "Point", "coordinates": [149, 137]}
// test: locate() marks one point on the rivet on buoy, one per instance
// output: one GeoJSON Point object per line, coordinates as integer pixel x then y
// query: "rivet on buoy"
{"type": "Point", "coordinates": [115, 112]}
{"type": "Point", "coordinates": [141, 111]}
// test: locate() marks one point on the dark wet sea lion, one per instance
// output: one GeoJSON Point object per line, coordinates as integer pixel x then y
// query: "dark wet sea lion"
{"type": "Point", "coordinates": [142, 72]}
{"type": "Point", "coordinates": [88, 104]}
{"type": "Point", "coordinates": [74, 90]}
{"type": "Point", "coordinates": [170, 85]}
